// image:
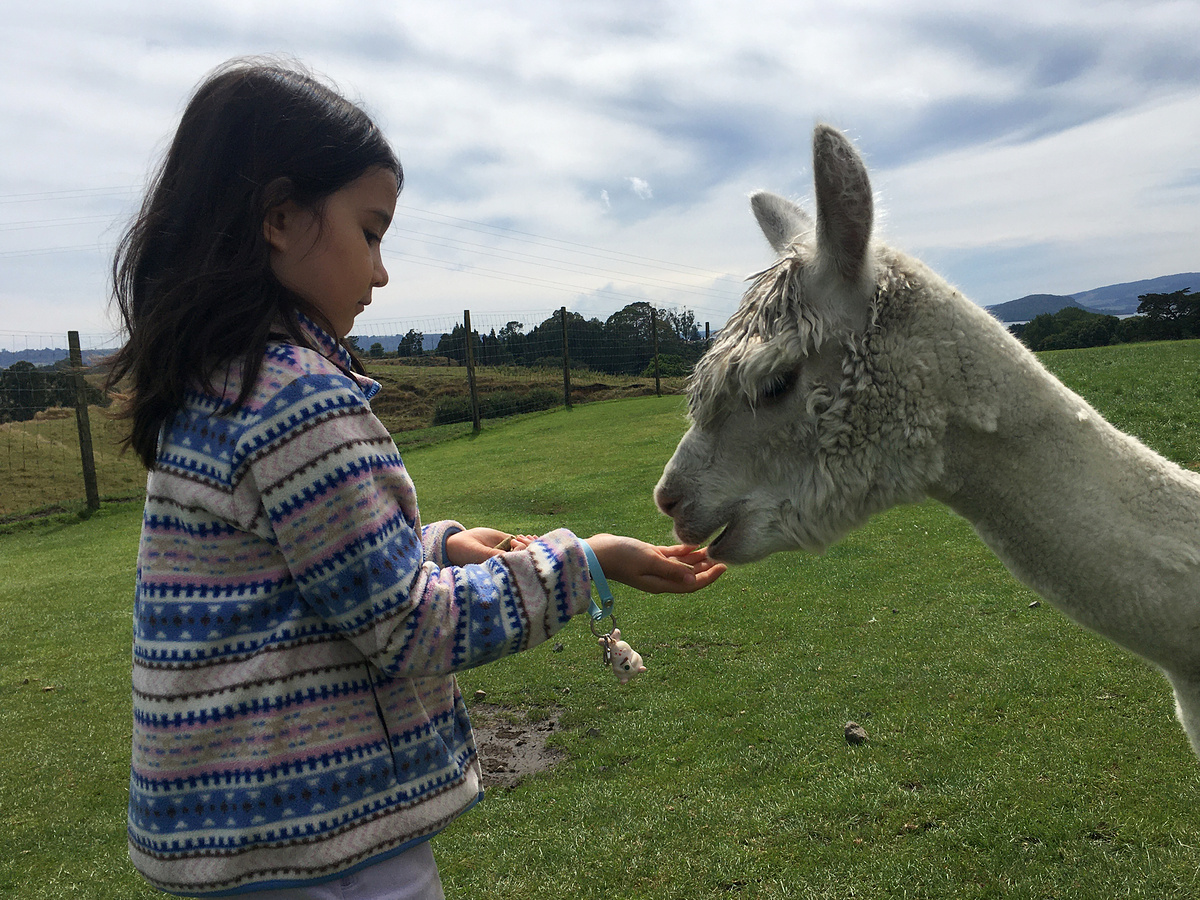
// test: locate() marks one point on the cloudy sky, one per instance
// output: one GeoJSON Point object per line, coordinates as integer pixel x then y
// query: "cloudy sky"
{"type": "Point", "coordinates": [592, 154]}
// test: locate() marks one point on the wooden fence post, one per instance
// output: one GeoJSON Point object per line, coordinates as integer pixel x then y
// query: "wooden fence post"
{"type": "Point", "coordinates": [566, 360]}
{"type": "Point", "coordinates": [83, 424]}
{"type": "Point", "coordinates": [654, 332]}
{"type": "Point", "coordinates": [475, 423]}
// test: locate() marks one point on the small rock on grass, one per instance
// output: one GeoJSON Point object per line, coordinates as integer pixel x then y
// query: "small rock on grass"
{"type": "Point", "coordinates": [855, 733]}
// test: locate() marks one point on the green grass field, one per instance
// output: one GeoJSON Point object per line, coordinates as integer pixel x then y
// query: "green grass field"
{"type": "Point", "coordinates": [1010, 755]}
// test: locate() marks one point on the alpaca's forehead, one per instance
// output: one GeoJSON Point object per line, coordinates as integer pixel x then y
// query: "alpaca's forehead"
{"type": "Point", "coordinates": [770, 331]}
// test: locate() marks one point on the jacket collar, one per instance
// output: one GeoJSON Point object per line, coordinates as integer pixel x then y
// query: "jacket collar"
{"type": "Point", "coordinates": [333, 351]}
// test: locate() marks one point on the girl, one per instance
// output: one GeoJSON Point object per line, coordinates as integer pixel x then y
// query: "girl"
{"type": "Point", "coordinates": [298, 730]}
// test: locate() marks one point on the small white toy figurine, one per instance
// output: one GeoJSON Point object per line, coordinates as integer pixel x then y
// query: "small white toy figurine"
{"type": "Point", "coordinates": [625, 661]}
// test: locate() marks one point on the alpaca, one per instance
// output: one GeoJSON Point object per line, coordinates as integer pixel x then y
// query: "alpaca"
{"type": "Point", "coordinates": [852, 378]}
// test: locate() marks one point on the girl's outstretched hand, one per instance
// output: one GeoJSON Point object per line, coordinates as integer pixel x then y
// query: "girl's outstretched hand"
{"type": "Point", "coordinates": [656, 570]}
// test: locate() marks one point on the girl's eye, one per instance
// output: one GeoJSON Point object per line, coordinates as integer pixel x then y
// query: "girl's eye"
{"type": "Point", "coordinates": [373, 238]}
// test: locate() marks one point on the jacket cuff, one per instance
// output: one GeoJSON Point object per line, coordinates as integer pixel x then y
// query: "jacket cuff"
{"type": "Point", "coordinates": [434, 535]}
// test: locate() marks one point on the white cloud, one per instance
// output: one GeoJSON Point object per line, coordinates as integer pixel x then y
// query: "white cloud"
{"type": "Point", "coordinates": [640, 187]}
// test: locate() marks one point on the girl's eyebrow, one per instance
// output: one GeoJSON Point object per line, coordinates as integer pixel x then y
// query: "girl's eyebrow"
{"type": "Point", "coordinates": [384, 217]}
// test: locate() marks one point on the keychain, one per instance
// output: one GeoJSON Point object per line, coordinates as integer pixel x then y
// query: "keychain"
{"type": "Point", "coordinates": [625, 662]}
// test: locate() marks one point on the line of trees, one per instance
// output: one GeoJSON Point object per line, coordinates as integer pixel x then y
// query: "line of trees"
{"type": "Point", "coordinates": [26, 390]}
{"type": "Point", "coordinates": [1161, 317]}
{"type": "Point", "coordinates": [622, 344]}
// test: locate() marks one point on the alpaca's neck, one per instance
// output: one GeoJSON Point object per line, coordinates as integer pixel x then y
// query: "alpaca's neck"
{"type": "Point", "coordinates": [1084, 514]}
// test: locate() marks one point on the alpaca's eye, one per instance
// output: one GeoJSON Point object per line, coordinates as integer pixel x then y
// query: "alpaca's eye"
{"type": "Point", "coordinates": [779, 384]}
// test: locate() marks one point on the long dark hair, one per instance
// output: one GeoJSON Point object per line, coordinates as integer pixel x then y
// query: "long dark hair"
{"type": "Point", "coordinates": [192, 277]}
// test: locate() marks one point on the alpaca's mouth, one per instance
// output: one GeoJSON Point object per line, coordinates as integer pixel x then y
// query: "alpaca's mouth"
{"type": "Point", "coordinates": [715, 543]}
{"type": "Point", "coordinates": [724, 542]}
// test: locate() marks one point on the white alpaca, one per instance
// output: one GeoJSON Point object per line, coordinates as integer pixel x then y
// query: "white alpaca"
{"type": "Point", "coordinates": [852, 378]}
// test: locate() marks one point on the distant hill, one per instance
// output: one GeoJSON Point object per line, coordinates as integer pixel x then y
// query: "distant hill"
{"type": "Point", "coordinates": [392, 341]}
{"type": "Point", "coordinates": [48, 356]}
{"type": "Point", "coordinates": [1122, 299]}
{"type": "Point", "coordinates": [1025, 308]}
{"type": "Point", "coordinates": [1114, 299]}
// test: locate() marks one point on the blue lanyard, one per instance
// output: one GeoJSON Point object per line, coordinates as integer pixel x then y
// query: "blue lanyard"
{"type": "Point", "coordinates": [606, 598]}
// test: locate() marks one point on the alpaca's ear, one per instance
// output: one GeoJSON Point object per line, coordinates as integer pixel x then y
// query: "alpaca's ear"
{"type": "Point", "coordinates": [780, 220]}
{"type": "Point", "coordinates": [844, 206]}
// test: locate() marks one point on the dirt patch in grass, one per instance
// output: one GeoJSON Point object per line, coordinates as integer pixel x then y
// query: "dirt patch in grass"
{"type": "Point", "coordinates": [511, 747]}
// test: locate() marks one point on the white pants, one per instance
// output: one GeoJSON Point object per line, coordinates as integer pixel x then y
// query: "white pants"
{"type": "Point", "coordinates": [412, 875]}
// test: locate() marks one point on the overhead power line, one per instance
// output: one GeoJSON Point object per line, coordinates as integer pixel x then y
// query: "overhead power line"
{"type": "Point", "coordinates": [542, 257]}
{"type": "Point", "coordinates": [473, 225]}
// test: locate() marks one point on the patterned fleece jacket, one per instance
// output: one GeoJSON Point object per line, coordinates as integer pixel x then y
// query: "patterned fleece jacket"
{"type": "Point", "coordinates": [296, 631]}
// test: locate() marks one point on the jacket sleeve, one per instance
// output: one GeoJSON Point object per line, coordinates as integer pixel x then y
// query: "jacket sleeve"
{"type": "Point", "coordinates": [343, 513]}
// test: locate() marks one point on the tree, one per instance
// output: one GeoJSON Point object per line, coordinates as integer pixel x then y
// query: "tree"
{"type": "Point", "coordinates": [492, 351]}
{"type": "Point", "coordinates": [512, 337]}
{"type": "Point", "coordinates": [681, 324]}
{"type": "Point", "coordinates": [454, 345]}
{"type": "Point", "coordinates": [25, 390]}
{"type": "Point", "coordinates": [627, 333]}
{"type": "Point", "coordinates": [585, 342]}
{"type": "Point", "coordinates": [1070, 328]}
{"type": "Point", "coordinates": [1171, 316]}
{"type": "Point", "coordinates": [412, 344]}
{"type": "Point", "coordinates": [376, 349]}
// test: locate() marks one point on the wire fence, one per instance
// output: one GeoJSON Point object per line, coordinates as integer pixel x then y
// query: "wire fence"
{"type": "Point", "coordinates": [60, 443]}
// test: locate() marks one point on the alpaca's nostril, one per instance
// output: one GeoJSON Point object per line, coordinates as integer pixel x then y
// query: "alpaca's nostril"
{"type": "Point", "coordinates": [666, 503]}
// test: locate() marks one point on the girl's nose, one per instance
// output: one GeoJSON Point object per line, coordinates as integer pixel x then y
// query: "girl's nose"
{"type": "Point", "coordinates": [381, 275]}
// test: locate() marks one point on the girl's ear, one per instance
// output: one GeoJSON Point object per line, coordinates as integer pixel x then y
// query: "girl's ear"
{"type": "Point", "coordinates": [279, 224]}
{"type": "Point", "coordinates": [280, 220]}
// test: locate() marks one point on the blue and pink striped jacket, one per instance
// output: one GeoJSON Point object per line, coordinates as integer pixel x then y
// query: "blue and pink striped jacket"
{"type": "Point", "coordinates": [296, 631]}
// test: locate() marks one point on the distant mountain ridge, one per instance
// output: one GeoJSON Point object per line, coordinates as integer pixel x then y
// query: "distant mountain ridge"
{"type": "Point", "coordinates": [1121, 299]}
{"type": "Point", "coordinates": [48, 356]}
{"type": "Point", "coordinates": [1113, 299]}
{"type": "Point", "coordinates": [1025, 308]}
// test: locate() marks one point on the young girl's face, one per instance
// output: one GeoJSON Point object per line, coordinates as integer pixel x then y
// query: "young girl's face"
{"type": "Point", "coordinates": [332, 259]}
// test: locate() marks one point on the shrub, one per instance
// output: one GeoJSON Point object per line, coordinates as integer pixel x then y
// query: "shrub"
{"type": "Point", "coordinates": [542, 398]}
{"type": "Point", "coordinates": [669, 366]}
{"type": "Point", "coordinates": [495, 405]}
{"type": "Point", "coordinates": [452, 409]}
{"type": "Point", "coordinates": [500, 404]}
